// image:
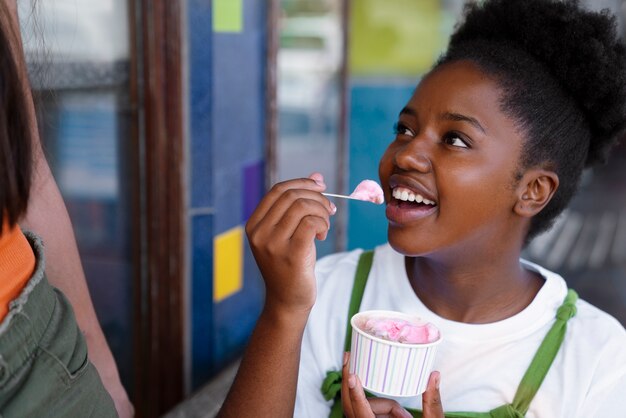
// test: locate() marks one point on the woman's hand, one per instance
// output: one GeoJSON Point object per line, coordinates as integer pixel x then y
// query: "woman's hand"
{"type": "Point", "coordinates": [357, 405]}
{"type": "Point", "coordinates": [282, 232]}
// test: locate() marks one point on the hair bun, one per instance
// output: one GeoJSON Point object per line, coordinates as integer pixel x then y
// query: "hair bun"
{"type": "Point", "coordinates": [579, 48]}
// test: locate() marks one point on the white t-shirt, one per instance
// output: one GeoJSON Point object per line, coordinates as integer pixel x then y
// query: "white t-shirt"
{"type": "Point", "coordinates": [481, 365]}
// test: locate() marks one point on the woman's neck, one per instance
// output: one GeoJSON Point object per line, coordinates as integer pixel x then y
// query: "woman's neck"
{"type": "Point", "coordinates": [466, 290]}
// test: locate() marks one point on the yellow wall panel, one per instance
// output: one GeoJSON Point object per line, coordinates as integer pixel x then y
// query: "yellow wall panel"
{"type": "Point", "coordinates": [228, 263]}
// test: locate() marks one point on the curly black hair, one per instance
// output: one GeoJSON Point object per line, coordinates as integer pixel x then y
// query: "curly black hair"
{"type": "Point", "coordinates": [562, 70]}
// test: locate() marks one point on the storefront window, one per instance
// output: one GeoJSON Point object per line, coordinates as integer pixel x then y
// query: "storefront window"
{"type": "Point", "coordinates": [309, 93]}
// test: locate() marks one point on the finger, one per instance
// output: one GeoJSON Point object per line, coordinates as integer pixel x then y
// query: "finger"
{"type": "Point", "coordinates": [389, 408]}
{"type": "Point", "coordinates": [360, 405]}
{"type": "Point", "coordinates": [317, 177]}
{"type": "Point", "coordinates": [431, 399]}
{"type": "Point", "coordinates": [290, 198]}
{"type": "Point", "coordinates": [302, 239]}
{"type": "Point", "coordinates": [294, 218]}
{"type": "Point", "coordinates": [345, 390]}
{"type": "Point", "coordinates": [297, 209]}
{"type": "Point", "coordinates": [285, 217]}
{"type": "Point", "coordinates": [370, 407]}
{"type": "Point", "coordinates": [276, 192]}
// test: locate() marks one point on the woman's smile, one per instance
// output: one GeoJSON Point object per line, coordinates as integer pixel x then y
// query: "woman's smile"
{"type": "Point", "coordinates": [403, 212]}
{"type": "Point", "coordinates": [410, 200]}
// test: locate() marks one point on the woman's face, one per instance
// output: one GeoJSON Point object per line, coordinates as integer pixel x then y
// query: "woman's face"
{"type": "Point", "coordinates": [455, 148]}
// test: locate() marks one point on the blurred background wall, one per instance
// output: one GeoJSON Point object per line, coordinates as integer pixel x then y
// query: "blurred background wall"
{"type": "Point", "coordinates": [165, 121]}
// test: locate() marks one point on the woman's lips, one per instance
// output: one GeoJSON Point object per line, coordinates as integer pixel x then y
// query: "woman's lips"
{"type": "Point", "coordinates": [399, 212]}
{"type": "Point", "coordinates": [409, 183]}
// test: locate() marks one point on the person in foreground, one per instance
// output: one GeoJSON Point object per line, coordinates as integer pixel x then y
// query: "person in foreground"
{"type": "Point", "coordinates": [63, 266]}
{"type": "Point", "coordinates": [497, 134]}
{"type": "Point", "coordinates": [44, 367]}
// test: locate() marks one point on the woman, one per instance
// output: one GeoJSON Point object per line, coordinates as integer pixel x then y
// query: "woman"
{"type": "Point", "coordinates": [44, 368]}
{"type": "Point", "coordinates": [497, 135]}
{"type": "Point", "coordinates": [63, 266]}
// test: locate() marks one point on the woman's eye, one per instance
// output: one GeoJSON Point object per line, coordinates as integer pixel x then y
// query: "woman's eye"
{"type": "Point", "coordinates": [455, 140]}
{"type": "Point", "coordinates": [401, 129]}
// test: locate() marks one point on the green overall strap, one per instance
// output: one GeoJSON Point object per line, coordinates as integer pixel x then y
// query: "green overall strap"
{"type": "Point", "coordinates": [360, 280]}
{"type": "Point", "coordinates": [331, 387]}
{"type": "Point", "coordinates": [536, 372]}
{"type": "Point", "coordinates": [545, 355]}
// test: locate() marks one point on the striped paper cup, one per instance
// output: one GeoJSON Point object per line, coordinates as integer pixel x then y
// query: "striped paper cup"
{"type": "Point", "coordinates": [389, 368]}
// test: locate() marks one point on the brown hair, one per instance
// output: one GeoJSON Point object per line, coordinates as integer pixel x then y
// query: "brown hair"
{"type": "Point", "coordinates": [15, 135]}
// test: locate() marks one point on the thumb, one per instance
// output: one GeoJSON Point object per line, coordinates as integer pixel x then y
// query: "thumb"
{"type": "Point", "coordinates": [431, 399]}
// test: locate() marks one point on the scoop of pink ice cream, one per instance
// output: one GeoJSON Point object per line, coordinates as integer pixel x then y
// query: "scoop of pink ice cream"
{"type": "Point", "coordinates": [370, 191]}
{"type": "Point", "coordinates": [402, 331]}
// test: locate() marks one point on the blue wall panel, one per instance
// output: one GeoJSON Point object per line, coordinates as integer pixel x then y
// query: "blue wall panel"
{"type": "Point", "coordinates": [227, 180]}
{"type": "Point", "coordinates": [202, 349]}
{"type": "Point", "coordinates": [199, 220]}
{"type": "Point", "coordinates": [235, 316]}
{"type": "Point", "coordinates": [238, 144]}
{"type": "Point", "coordinates": [200, 55]}
{"type": "Point", "coordinates": [227, 133]}
{"type": "Point", "coordinates": [238, 104]}
{"type": "Point", "coordinates": [373, 111]}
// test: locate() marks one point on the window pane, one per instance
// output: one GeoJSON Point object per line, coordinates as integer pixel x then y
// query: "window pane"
{"type": "Point", "coordinates": [78, 56]}
{"type": "Point", "coordinates": [309, 60]}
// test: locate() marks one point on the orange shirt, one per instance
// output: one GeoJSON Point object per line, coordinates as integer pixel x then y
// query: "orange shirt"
{"type": "Point", "coordinates": [17, 263]}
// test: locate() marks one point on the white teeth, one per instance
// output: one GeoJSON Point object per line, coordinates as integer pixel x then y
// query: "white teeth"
{"type": "Point", "coordinates": [406, 195]}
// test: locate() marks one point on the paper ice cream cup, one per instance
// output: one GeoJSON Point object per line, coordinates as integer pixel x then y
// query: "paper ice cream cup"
{"type": "Point", "coordinates": [389, 368]}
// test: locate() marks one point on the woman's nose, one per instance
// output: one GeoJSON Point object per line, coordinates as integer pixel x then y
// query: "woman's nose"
{"type": "Point", "coordinates": [414, 157]}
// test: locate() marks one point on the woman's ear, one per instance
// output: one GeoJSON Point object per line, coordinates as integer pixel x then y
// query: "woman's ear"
{"type": "Point", "coordinates": [534, 191]}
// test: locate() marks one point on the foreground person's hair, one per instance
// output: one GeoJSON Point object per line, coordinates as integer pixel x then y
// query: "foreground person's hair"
{"type": "Point", "coordinates": [15, 134]}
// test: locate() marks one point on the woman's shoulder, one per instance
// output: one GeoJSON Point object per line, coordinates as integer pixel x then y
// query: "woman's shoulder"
{"type": "Point", "coordinates": [591, 327]}
{"type": "Point", "coordinates": [596, 339]}
{"type": "Point", "coordinates": [587, 315]}
{"type": "Point", "coordinates": [596, 324]}
{"type": "Point", "coordinates": [596, 342]}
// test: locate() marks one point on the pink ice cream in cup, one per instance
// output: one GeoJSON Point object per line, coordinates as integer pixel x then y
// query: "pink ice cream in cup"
{"type": "Point", "coordinates": [392, 353]}
{"type": "Point", "coordinates": [394, 329]}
